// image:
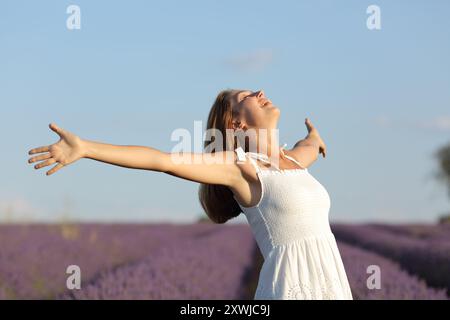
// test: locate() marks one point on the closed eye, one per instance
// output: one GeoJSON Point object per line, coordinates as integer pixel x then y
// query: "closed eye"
{"type": "Point", "coordinates": [246, 96]}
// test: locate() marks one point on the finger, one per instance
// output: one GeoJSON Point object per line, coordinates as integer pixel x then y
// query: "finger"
{"type": "Point", "coordinates": [56, 129]}
{"type": "Point", "coordinates": [308, 124]}
{"type": "Point", "coordinates": [38, 158]}
{"type": "Point", "coordinates": [45, 163]}
{"type": "Point", "coordinates": [38, 150]}
{"type": "Point", "coordinates": [55, 168]}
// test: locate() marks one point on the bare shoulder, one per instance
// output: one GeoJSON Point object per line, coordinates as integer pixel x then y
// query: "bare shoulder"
{"type": "Point", "coordinates": [292, 153]}
{"type": "Point", "coordinates": [304, 155]}
{"type": "Point", "coordinates": [246, 177]}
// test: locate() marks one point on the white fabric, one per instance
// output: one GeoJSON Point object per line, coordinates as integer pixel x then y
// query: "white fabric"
{"type": "Point", "coordinates": [291, 227]}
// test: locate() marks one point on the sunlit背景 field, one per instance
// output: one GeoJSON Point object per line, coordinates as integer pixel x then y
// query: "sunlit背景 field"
{"type": "Point", "coordinates": [206, 261]}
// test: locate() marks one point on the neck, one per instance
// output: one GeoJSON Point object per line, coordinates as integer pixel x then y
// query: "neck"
{"type": "Point", "coordinates": [268, 144]}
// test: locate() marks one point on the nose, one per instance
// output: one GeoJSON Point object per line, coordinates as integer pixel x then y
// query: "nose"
{"type": "Point", "coordinates": [260, 94]}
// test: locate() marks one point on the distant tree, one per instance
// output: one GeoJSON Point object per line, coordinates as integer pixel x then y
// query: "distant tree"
{"type": "Point", "coordinates": [444, 219]}
{"type": "Point", "coordinates": [443, 175]}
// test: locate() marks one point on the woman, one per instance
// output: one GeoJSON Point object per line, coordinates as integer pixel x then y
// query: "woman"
{"type": "Point", "coordinates": [286, 207]}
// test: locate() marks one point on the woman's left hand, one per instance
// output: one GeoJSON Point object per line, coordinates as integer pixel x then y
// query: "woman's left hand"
{"type": "Point", "coordinates": [313, 132]}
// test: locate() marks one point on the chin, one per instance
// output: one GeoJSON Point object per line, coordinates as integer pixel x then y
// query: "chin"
{"type": "Point", "coordinates": [275, 109]}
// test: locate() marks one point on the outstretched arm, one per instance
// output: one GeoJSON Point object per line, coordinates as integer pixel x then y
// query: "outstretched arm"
{"type": "Point", "coordinates": [201, 167]}
{"type": "Point", "coordinates": [307, 150]}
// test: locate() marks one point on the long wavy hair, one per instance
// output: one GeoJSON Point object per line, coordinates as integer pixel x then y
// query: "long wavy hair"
{"type": "Point", "coordinates": [217, 200]}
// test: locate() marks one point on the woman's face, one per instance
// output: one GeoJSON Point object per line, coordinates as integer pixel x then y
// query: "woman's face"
{"type": "Point", "coordinates": [254, 110]}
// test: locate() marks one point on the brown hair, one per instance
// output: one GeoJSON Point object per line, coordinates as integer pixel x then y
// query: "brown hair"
{"type": "Point", "coordinates": [217, 200]}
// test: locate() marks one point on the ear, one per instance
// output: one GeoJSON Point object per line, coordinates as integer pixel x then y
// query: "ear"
{"type": "Point", "coordinates": [236, 124]}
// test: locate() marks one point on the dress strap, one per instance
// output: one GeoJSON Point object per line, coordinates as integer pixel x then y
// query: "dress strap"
{"type": "Point", "coordinates": [289, 157]}
{"type": "Point", "coordinates": [253, 156]}
{"type": "Point", "coordinates": [242, 156]}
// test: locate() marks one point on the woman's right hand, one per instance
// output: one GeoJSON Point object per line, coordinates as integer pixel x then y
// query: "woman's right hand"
{"type": "Point", "coordinates": [67, 150]}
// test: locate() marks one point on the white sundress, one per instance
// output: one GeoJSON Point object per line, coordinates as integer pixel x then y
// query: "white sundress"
{"type": "Point", "coordinates": [291, 228]}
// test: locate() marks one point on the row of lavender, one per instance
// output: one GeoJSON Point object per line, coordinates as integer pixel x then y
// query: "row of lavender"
{"type": "Point", "coordinates": [34, 258]}
{"type": "Point", "coordinates": [214, 265]}
{"type": "Point", "coordinates": [164, 281]}
{"type": "Point", "coordinates": [395, 284]}
{"type": "Point", "coordinates": [200, 261]}
{"type": "Point", "coordinates": [422, 250]}
{"type": "Point", "coordinates": [160, 276]}
{"type": "Point", "coordinates": [433, 233]}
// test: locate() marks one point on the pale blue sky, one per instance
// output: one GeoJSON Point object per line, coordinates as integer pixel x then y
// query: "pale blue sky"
{"type": "Point", "coordinates": [137, 70]}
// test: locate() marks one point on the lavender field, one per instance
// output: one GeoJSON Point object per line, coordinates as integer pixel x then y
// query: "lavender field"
{"type": "Point", "coordinates": [205, 261]}
{"type": "Point", "coordinates": [422, 250]}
